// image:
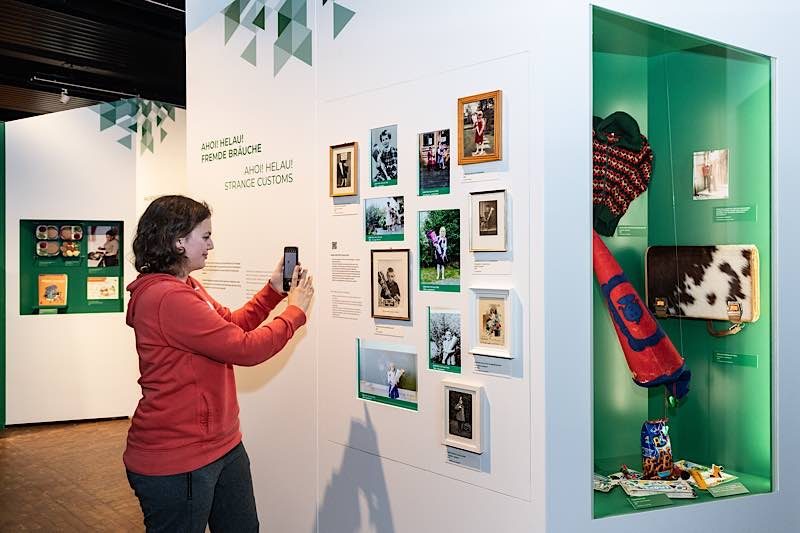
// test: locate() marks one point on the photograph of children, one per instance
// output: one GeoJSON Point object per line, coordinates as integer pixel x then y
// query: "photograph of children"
{"type": "Point", "coordinates": [434, 162]}
{"type": "Point", "coordinates": [439, 250]}
{"type": "Point", "coordinates": [459, 414]}
{"type": "Point", "coordinates": [390, 284]}
{"type": "Point", "coordinates": [710, 175]}
{"type": "Point", "coordinates": [488, 221]}
{"type": "Point", "coordinates": [383, 156]}
{"type": "Point", "coordinates": [103, 246]}
{"type": "Point", "coordinates": [444, 340]}
{"type": "Point", "coordinates": [387, 373]}
{"type": "Point", "coordinates": [384, 218]}
{"type": "Point", "coordinates": [479, 138]}
{"type": "Point", "coordinates": [344, 170]}
{"type": "Point", "coordinates": [492, 325]}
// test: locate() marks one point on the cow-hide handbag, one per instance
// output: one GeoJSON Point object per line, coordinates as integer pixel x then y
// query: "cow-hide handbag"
{"type": "Point", "coordinates": [704, 282]}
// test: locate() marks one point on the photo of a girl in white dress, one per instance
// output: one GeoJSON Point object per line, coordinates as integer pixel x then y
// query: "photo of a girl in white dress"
{"type": "Point", "coordinates": [387, 373]}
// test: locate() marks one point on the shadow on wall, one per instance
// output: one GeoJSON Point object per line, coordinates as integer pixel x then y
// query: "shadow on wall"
{"type": "Point", "coordinates": [340, 510]}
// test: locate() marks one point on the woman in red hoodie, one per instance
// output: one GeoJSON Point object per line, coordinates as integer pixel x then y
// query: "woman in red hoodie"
{"type": "Point", "coordinates": [184, 456]}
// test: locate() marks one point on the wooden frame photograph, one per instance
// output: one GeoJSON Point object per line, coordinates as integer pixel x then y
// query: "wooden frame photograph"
{"type": "Point", "coordinates": [391, 284]}
{"type": "Point", "coordinates": [343, 169]}
{"type": "Point", "coordinates": [480, 128]}
{"type": "Point", "coordinates": [487, 221]}
{"type": "Point", "coordinates": [493, 328]}
{"type": "Point", "coordinates": [462, 411]}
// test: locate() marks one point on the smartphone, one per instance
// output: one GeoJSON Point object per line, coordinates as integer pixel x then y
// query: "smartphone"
{"type": "Point", "coordinates": [289, 262]}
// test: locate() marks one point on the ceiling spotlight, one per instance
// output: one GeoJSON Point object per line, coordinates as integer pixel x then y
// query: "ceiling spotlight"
{"type": "Point", "coordinates": [64, 96]}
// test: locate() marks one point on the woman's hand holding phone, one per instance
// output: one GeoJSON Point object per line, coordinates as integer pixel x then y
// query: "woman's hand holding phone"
{"type": "Point", "coordinates": [302, 289]}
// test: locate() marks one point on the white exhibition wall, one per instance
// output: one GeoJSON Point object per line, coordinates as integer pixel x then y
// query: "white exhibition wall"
{"type": "Point", "coordinates": [162, 171]}
{"type": "Point", "coordinates": [326, 461]}
{"type": "Point", "coordinates": [62, 166]}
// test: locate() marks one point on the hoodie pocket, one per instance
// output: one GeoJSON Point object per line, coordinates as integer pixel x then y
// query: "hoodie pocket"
{"type": "Point", "coordinates": [204, 417]}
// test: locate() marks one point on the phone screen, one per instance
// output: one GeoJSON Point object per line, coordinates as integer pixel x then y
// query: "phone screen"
{"type": "Point", "coordinates": [289, 262]}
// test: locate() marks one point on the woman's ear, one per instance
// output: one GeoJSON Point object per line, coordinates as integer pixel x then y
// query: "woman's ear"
{"type": "Point", "coordinates": [179, 246]}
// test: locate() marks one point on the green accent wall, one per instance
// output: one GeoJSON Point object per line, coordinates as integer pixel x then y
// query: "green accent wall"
{"type": "Point", "coordinates": [620, 405]}
{"type": "Point", "coordinates": [2, 275]}
{"type": "Point", "coordinates": [688, 95]}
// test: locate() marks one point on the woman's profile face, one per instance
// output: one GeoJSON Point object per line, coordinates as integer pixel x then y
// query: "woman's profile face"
{"type": "Point", "coordinates": [196, 246]}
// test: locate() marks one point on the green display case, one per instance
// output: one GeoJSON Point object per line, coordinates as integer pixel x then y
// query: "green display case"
{"type": "Point", "coordinates": [693, 99]}
{"type": "Point", "coordinates": [70, 266]}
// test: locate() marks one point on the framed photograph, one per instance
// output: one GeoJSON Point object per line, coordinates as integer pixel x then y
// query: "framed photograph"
{"type": "Point", "coordinates": [492, 323]}
{"type": "Point", "coordinates": [103, 247]}
{"type": "Point", "coordinates": [390, 284]}
{"type": "Point", "coordinates": [384, 218]}
{"type": "Point", "coordinates": [710, 175]}
{"type": "Point", "coordinates": [480, 134]}
{"type": "Point", "coordinates": [343, 169]}
{"type": "Point", "coordinates": [440, 250]}
{"type": "Point", "coordinates": [487, 221]}
{"type": "Point", "coordinates": [434, 163]}
{"type": "Point", "coordinates": [463, 416]}
{"type": "Point", "coordinates": [387, 373]}
{"type": "Point", "coordinates": [383, 156]}
{"type": "Point", "coordinates": [444, 340]}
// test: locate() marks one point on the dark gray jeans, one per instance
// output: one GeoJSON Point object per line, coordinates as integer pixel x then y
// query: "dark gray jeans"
{"type": "Point", "coordinates": [219, 494]}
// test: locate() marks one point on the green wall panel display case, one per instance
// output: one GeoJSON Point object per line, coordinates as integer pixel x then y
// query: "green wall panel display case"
{"type": "Point", "coordinates": [70, 266]}
{"type": "Point", "coordinates": [705, 109]}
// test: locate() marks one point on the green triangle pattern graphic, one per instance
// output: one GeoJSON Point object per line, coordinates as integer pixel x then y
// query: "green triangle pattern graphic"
{"type": "Point", "coordinates": [286, 9]}
{"type": "Point", "coordinates": [260, 20]}
{"type": "Point", "coordinates": [281, 57]}
{"type": "Point", "coordinates": [107, 120]}
{"type": "Point", "coordinates": [249, 53]}
{"type": "Point", "coordinates": [136, 116]}
{"type": "Point", "coordinates": [301, 13]}
{"type": "Point", "coordinates": [303, 52]}
{"type": "Point", "coordinates": [231, 13]}
{"type": "Point", "coordinates": [299, 35]}
{"type": "Point", "coordinates": [283, 23]}
{"type": "Point", "coordinates": [341, 16]}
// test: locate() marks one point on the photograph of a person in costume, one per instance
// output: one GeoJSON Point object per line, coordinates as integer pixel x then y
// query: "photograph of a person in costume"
{"type": "Point", "coordinates": [390, 289]}
{"type": "Point", "coordinates": [185, 435]}
{"type": "Point", "coordinates": [460, 414]}
{"type": "Point", "coordinates": [444, 340]}
{"type": "Point", "coordinates": [478, 124]}
{"type": "Point", "coordinates": [383, 160]}
{"type": "Point", "coordinates": [440, 250]}
{"type": "Point", "coordinates": [384, 218]}
{"type": "Point", "coordinates": [343, 175]}
{"type": "Point", "coordinates": [710, 175]}
{"type": "Point", "coordinates": [434, 162]}
{"type": "Point", "coordinates": [492, 326]}
{"type": "Point", "coordinates": [387, 374]}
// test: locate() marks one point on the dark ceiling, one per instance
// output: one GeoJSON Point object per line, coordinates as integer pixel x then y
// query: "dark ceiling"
{"type": "Point", "coordinates": [112, 48]}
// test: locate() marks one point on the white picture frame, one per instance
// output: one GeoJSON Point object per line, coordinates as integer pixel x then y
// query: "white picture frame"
{"type": "Point", "coordinates": [492, 324]}
{"type": "Point", "coordinates": [487, 221]}
{"type": "Point", "coordinates": [462, 414]}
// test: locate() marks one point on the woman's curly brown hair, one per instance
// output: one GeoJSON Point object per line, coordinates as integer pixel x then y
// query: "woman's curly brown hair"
{"type": "Point", "coordinates": [165, 220]}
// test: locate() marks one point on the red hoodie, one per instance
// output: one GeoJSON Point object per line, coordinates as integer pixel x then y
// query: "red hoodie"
{"type": "Point", "coordinates": [188, 415]}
